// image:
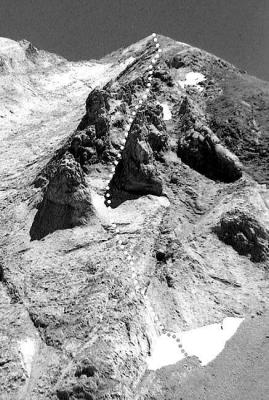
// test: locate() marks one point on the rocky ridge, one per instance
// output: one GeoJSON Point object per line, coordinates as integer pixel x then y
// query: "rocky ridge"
{"type": "Point", "coordinates": [188, 200]}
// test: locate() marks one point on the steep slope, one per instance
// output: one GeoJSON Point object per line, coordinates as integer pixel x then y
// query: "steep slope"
{"type": "Point", "coordinates": [182, 236]}
{"type": "Point", "coordinates": [42, 98]}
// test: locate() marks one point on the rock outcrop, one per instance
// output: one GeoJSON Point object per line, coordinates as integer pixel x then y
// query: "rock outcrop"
{"type": "Point", "coordinates": [200, 148]}
{"type": "Point", "coordinates": [147, 140]}
{"type": "Point", "coordinates": [66, 203]}
{"type": "Point", "coordinates": [245, 234]}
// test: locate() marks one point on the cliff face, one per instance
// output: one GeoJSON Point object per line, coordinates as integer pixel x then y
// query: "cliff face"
{"type": "Point", "coordinates": [186, 238]}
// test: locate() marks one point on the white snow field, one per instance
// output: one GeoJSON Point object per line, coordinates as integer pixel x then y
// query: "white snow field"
{"type": "Point", "coordinates": [205, 343]}
{"type": "Point", "coordinates": [192, 79]}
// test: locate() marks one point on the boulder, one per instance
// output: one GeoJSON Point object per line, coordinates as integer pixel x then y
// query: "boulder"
{"type": "Point", "coordinates": [245, 234]}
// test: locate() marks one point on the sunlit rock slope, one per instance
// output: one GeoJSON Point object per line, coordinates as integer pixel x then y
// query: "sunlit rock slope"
{"type": "Point", "coordinates": [189, 200]}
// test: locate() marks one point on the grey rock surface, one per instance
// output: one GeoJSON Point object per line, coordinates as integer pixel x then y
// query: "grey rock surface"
{"type": "Point", "coordinates": [189, 202]}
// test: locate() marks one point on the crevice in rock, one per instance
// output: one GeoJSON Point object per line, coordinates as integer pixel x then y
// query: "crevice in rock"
{"type": "Point", "coordinates": [11, 289]}
{"type": "Point", "coordinates": [225, 281]}
{"type": "Point", "coordinates": [1, 272]}
{"type": "Point", "coordinates": [85, 369]}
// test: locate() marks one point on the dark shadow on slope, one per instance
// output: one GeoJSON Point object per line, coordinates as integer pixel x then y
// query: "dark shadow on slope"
{"type": "Point", "coordinates": [201, 149]}
{"type": "Point", "coordinates": [51, 217]}
{"type": "Point", "coordinates": [210, 162]}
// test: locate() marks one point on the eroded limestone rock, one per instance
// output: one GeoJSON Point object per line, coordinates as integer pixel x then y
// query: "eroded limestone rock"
{"type": "Point", "coordinates": [137, 171]}
{"type": "Point", "coordinates": [201, 149]}
{"type": "Point", "coordinates": [245, 234]}
{"type": "Point", "coordinates": [66, 203]}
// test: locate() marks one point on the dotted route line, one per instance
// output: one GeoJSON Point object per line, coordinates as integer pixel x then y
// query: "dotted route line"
{"type": "Point", "coordinates": [107, 202]}
{"type": "Point", "coordinates": [133, 115]}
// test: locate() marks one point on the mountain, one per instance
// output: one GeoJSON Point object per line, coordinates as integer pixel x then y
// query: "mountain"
{"type": "Point", "coordinates": [158, 223]}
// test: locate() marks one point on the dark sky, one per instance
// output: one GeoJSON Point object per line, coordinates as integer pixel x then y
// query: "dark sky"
{"type": "Point", "coordinates": [236, 30]}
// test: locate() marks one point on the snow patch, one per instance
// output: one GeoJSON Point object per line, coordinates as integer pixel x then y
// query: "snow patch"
{"type": "Point", "coordinates": [128, 213]}
{"type": "Point", "coordinates": [165, 352]}
{"type": "Point", "coordinates": [192, 79]}
{"type": "Point", "coordinates": [27, 348]}
{"type": "Point", "coordinates": [166, 111]}
{"type": "Point", "coordinates": [205, 343]}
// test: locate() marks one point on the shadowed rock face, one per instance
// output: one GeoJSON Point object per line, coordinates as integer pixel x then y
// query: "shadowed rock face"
{"type": "Point", "coordinates": [147, 139]}
{"type": "Point", "coordinates": [198, 60]}
{"type": "Point", "coordinates": [66, 203]}
{"type": "Point", "coordinates": [200, 148]}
